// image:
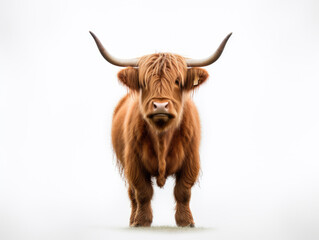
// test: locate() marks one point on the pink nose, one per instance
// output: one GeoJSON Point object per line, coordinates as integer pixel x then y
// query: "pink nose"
{"type": "Point", "coordinates": [160, 106]}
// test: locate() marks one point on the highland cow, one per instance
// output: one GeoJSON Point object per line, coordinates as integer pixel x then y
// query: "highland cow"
{"type": "Point", "coordinates": [156, 128]}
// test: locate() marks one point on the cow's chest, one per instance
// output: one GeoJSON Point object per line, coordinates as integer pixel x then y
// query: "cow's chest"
{"type": "Point", "coordinates": [174, 157]}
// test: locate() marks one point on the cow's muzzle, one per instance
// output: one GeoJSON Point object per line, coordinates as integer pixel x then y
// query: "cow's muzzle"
{"type": "Point", "coordinates": [160, 119]}
{"type": "Point", "coordinates": [159, 115]}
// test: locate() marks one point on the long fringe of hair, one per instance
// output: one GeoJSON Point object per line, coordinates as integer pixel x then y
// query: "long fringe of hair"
{"type": "Point", "coordinates": [166, 67]}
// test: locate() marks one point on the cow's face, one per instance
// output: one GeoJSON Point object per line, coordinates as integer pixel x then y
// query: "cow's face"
{"type": "Point", "coordinates": [163, 82]}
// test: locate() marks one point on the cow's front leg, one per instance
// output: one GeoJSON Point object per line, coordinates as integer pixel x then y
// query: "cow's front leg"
{"type": "Point", "coordinates": [185, 179]}
{"type": "Point", "coordinates": [183, 215]}
{"type": "Point", "coordinates": [143, 190]}
{"type": "Point", "coordinates": [143, 196]}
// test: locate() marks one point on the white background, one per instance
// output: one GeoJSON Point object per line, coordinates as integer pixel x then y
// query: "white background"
{"type": "Point", "coordinates": [259, 113]}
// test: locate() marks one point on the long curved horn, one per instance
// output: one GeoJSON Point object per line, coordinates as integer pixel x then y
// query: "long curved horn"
{"type": "Point", "coordinates": [211, 59]}
{"type": "Point", "coordinates": [113, 60]}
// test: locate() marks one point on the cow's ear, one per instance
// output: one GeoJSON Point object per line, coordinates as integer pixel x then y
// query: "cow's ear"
{"type": "Point", "coordinates": [129, 77]}
{"type": "Point", "coordinates": [195, 77]}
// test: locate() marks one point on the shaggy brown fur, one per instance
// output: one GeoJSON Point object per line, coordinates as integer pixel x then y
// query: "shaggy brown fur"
{"type": "Point", "coordinates": [149, 145]}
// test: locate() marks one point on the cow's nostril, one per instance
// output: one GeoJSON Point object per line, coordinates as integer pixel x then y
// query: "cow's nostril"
{"type": "Point", "coordinates": [154, 105]}
{"type": "Point", "coordinates": [166, 105]}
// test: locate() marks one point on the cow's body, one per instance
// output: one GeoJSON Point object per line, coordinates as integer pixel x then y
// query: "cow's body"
{"type": "Point", "coordinates": [156, 128]}
{"type": "Point", "coordinates": [131, 133]}
{"type": "Point", "coordinates": [135, 144]}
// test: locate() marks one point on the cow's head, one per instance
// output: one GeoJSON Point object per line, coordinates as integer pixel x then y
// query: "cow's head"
{"type": "Point", "coordinates": [162, 81]}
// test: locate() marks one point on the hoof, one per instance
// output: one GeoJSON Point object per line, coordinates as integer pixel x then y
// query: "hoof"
{"type": "Point", "coordinates": [185, 225]}
{"type": "Point", "coordinates": [136, 224]}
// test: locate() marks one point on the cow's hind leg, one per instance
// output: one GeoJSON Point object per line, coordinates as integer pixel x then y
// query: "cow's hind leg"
{"type": "Point", "coordinates": [131, 194]}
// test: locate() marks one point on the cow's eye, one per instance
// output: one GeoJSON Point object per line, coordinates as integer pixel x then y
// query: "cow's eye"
{"type": "Point", "coordinates": [177, 82]}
